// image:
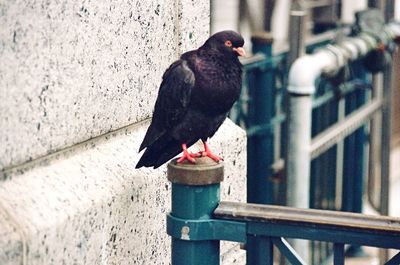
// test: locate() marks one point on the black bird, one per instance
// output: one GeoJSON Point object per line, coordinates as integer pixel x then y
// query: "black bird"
{"type": "Point", "coordinates": [194, 98]}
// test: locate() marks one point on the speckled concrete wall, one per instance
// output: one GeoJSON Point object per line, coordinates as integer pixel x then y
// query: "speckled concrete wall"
{"type": "Point", "coordinates": [72, 70]}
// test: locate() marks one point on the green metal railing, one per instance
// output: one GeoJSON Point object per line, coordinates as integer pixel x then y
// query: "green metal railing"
{"type": "Point", "coordinates": [199, 221]}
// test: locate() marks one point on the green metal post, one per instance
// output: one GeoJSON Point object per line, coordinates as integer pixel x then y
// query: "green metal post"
{"type": "Point", "coordinates": [262, 252]}
{"type": "Point", "coordinates": [195, 195]}
{"type": "Point", "coordinates": [260, 147]}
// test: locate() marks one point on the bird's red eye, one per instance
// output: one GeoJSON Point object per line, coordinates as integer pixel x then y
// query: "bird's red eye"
{"type": "Point", "coordinates": [228, 43]}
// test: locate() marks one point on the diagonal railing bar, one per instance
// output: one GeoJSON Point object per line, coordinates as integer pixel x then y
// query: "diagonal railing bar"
{"type": "Point", "coordinates": [286, 249]}
{"type": "Point", "coordinates": [395, 260]}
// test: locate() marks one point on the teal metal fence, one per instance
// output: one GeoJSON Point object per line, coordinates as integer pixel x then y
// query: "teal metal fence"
{"type": "Point", "coordinates": [198, 222]}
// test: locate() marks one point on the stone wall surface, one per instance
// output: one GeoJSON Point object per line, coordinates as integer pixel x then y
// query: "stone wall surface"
{"type": "Point", "coordinates": [73, 70]}
{"type": "Point", "coordinates": [78, 81]}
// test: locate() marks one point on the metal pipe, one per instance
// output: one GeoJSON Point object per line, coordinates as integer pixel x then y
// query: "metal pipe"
{"type": "Point", "coordinates": [307, 69]}
{"type": "Point", "coordinates": [298, 167]}
{"type": "Point", "coordinates": [328, 60]}
{"type": "Point", "coordinates": [296, 32]}
{"type": "Point", "coordinates": [296, 38]}
{"type": "Point", "coordinates": [298, 170]}
{"type": "Point", "coordinates": [302, 76]}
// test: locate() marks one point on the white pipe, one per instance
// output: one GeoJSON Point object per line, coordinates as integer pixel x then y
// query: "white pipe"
{"type": "Point", "coordinates": [301, 86]}
{"type": "Point", "coordinates": [299, 156]}
{"type": "Point", "coordinates": [307, 69]}
{"type": "Point", "coordinates": [302, 76]}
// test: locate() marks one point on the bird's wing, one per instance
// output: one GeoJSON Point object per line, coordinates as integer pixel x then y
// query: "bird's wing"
{"type": "Point", "coordinates": [172, 101]}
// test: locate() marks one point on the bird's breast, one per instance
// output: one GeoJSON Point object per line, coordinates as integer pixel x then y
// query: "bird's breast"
{"type": "Point", "coordinates": [217, 89]}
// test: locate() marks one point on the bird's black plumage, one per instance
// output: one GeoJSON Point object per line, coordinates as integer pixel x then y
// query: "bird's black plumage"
{"type": "Point", "coordinates": [195, 95]}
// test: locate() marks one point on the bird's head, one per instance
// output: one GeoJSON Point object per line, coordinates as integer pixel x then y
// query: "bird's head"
{"type": "Point", "coordinates": [228, 42]}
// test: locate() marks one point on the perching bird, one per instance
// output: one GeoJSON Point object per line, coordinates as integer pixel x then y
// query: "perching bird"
{"type": "Point", "coordinates": [194, 98]}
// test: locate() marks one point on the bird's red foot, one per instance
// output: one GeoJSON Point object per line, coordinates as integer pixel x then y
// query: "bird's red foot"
{"type": "Point", "coordinates": [210, 155]}
{"type": "Point", "coordinates": [207, 152]}
{"type": "Point", "coordinates": [186, 156]}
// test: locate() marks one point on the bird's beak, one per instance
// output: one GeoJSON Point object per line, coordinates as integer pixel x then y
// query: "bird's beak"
{"type": "Point", "coordinates": [240, 51]}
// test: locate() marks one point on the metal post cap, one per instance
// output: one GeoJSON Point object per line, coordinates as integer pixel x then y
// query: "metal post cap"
{"type": "Point", "coordinates": [262, 37]}
{"type": "Point", "coordinates": [205, 172]}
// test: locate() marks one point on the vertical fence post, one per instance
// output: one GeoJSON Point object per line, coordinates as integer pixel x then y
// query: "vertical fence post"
{"type": "Point", "coordinates": [260, 146]}
{"type": "Point", "coordinates": [259, 250]}
{"type": "Point", "coordinates": [195, 195]}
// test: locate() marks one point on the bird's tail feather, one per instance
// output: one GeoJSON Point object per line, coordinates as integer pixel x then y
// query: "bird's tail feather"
{"type": "Point", "coordinates": [152, 135]}
{"type": "Point", "coordinates": [159, 152]}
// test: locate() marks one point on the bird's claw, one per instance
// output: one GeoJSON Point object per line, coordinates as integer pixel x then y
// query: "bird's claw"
{"type": "Point", "coordinates": [198, 154]}
{"type": "Point", "coordinates": [187, 156]}
{"type": "Point", "coordinates": [210, 155]}
{"type": "Point", "coordinates": [190, 156]}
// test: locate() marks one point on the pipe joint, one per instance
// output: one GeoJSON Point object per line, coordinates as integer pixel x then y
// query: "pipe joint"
{"type": "Point", "coordinates": [307, 69]}
{"type": "Point", "coordinates": [353, 48]}
{"type": "Point", "coordinates": [370, 40]}
{"type": "Point", "coordinates": [341, 56]}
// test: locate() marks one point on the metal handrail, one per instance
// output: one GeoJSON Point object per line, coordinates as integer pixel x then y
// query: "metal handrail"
{"type": "Point", "coordinates": [308, 218]}
{"type": "Point", "coordinates": [274, 223]}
